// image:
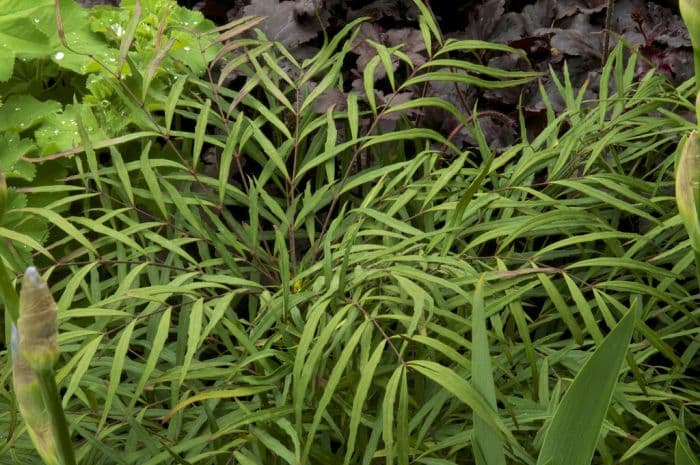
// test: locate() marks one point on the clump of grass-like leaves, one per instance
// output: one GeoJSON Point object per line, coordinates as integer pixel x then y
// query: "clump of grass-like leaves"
{"type": "Point", "coordinates": [252, 281]}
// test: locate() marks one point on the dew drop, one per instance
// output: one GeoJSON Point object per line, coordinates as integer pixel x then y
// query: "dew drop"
{"type": "Point", "coordinates": [187, 49]}
{"type": "Point", "coordinates": [118, 29]}
{"type": "Point", "coordinates": [59, 55]}
{"type": "Point", "coordinates": [17, 108]}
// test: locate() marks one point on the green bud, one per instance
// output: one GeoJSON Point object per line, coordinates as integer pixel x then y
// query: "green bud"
{"type": "Point", "coordinates": [690, 12]}
{"type": "Point", "coordinates": [688, 188]}
{"type": "Point", "coordinates": [38, 322]}
{"type": "Point", "coordinates": [31, 403]}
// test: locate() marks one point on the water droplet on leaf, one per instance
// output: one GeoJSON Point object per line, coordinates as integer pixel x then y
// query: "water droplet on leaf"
{"type": "Point", "coordinates": [118, 29]}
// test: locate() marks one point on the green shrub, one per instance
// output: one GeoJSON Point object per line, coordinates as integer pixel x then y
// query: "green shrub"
{"type": "Point", "coordinates": [252, 274]}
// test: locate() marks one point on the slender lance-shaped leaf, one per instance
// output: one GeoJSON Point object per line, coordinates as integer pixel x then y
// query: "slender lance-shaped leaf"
{"type": "Point", "coordinates": [683, 454]}
{"type": "Point", "coordinates": [153, 355]}
{"type": "Point", "coordinates": [461, 389]}
{"type": "Point", "coordinates": [330, 387]}
{"type": "Point", "coordinates": [363, 386]}
{"type": "Point", "coordinates": [194, 331]}
{"type": "Point", "coordinates": [488, 448]}
{"type": "Point", "coordinates": [129, 34]}
{"type": "Point", "coordinates": [573, 434]}
{"type": "Point", "coordinates": [116, 371]}
{"type": "Point", "coordinates": [388, 413]}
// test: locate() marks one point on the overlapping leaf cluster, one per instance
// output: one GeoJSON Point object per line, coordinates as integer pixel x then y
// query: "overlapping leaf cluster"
{"type": "Point", "coordinates": [291, 269]}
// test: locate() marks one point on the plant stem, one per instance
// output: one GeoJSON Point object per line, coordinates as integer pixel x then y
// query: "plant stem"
{"type": "Point", "coordinates": [608, 25]}
{"type": "Point", "coordinates": [8, 293]}
{"type": "Point", "coordinates": [57, 418]}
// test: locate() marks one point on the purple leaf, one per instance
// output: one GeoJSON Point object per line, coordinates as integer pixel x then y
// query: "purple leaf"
{"type": "Point", "coordinates": [288, 21]}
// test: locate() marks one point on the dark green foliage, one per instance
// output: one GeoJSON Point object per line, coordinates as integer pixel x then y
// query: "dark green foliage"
{"type": "Point", "coordinates": [294, 269]}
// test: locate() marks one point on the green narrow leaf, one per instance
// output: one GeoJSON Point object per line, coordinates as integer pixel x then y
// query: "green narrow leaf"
{"type": "Point", "coordinates": [488, 448]}
{"type": "Point", "coordinates": [315, 314]}
{"type": "Point", "coordinates": [153, 355]}
{"type": "Point", "coordinates": [225, 394]}
{"type": "Point", "coordinates": [563, 309]}
{"type": "Point", "coordinates": [194, 331]}
{"type": "Point", "coordinates": [575, 428]}
{"type": "Point", "coordinates": [274, 445]}
{"type": "Point", "coordinates": [107, 231]}
{"type": "Point", "coordinates": [402, 440]}
{"type": "Point", "coordinates": [122, 172]}
{"type": "Point", "coordinates": [518, 314]}
{"type": "Point", "coordinates": [57, 220]}
{"type": "Point", "coordinates": [129, 34]}
{"type": "Point", "coordinates": [270, 150]}
{"type": "Point", "coordinates": [284, 270]}
{"type": "Point", "coordinates": [366, 376]}
{"type": "Point", "coordinates": [84, 111]}
{"type": "Point", "coordinates": [24, 239]}
{"type": "Point", "coordinates": [388, 413]}
{"type": "Point", "coordinates": [86, 354]}
{"type": "Point", "coordinates": [461, 389]}
{"type": "Point", "coordinates": [368, 78]}
{"type": "Point", "coordinates": [116, 372]}
{"type": "Point", "coordinates": [328, 80]}
{"type": "Point", "coordinates": [584, 309]}
{"type": "Point", "coordinates": [173, 98]}
{"type": "Point", "coordinates": [427, 16]}
{"type": "Point", "coordinates": [445, 176]}
{"type": "Point", "coordinates": [199, 131]}
{"type": "Point", "coordinates": [226, 160]}
{"type": "Point", "coordinates": [152, 181]}
{"type": "Point", "coordinates": [424, 26]}
{"type": "Point", "coordinates": [419, 297]}
{"type": "Point", "coordinates": [329, 388]}
{"type": "Point", "coordinates": [661, 430]}
{"type": "Point", "coordinates": [682, 453]}
{"type": "Point", "coordinates": [353, 115]}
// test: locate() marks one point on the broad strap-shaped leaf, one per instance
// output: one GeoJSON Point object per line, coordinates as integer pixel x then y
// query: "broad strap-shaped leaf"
{"type": "Point", "coordinates": [573, 433]}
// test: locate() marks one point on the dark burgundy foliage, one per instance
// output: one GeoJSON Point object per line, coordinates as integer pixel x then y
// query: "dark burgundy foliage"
{"type": "Point", "coordinates": [550, 33]}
